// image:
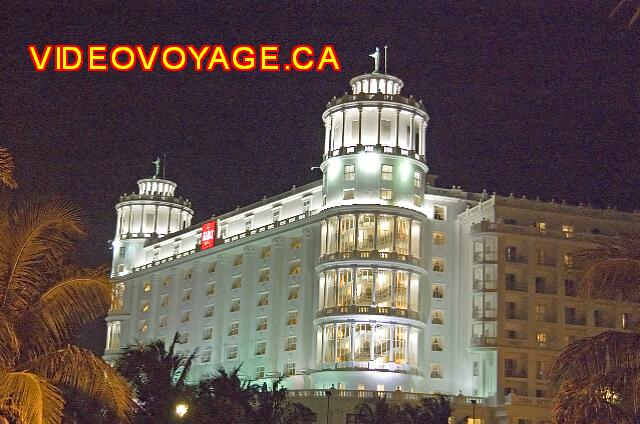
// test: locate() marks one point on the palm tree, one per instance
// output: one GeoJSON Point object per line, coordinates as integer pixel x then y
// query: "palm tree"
{"type": "Point", "coordinates": [431, 410]}
{"type": "Point", "coordinates": [627, 7]}
{"type": "Point", "coordinates": [158, 377]}
{"type": "Point", "coordinates": [599, 376]}
{"type": "Point", "coordinates": [6, 168]}
{"type": "Point", "coordinates": [44, 300]}
{"type": "Point", "coordinates": [271, 406]}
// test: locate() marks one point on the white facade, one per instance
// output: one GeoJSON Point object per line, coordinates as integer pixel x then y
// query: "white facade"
{"type": "Point", "coordinates": [370, 279]}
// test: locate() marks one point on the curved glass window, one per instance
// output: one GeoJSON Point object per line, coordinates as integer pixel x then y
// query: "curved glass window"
{"type": "Point", "coordinates": [370, 232]}
{"type": "Point", "coordinates": [373, 287]}
{"type": "Point", "coordinates": [366, 342]}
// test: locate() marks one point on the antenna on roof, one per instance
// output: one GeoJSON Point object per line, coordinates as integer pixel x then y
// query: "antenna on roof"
{"type": "Point", "coordinates": [164, 166]}
{"type": "Point", "coordinates": [385, 60]}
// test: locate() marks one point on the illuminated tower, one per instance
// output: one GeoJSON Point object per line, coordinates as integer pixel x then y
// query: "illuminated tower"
{"type": "Point", "coordinates": [371, 307]}
{"type": "Point", "coordinates": [153, 212]}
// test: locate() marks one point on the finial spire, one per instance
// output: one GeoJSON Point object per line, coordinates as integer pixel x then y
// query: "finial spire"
{"type": "Point", "coordinates": [376, 59]}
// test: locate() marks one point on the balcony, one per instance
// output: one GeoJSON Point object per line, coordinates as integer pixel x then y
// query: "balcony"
{"type": "Point", "coordinates": [546, 288]}
{"type": "Point", "coordinates": [547, 261]}
{"type": "Point", "coordinates": [513, 285]}
{"type": "Point", "coordinates": [483, 341]}
{"type": "Point", "coordinates": [390, 150]}
{"type": "Point", "coordinates": [521, 315]}
{"type": "Point", "coordinates": [514, 399]}
{"type": "Point", "coordinates": [370, 254]}
{"type": "Point", "coordinates": [516, 342]}
{"type": "Point", "coordinates": [493, 227]}
{"type": "Point", "coordinates": [368, 310]}
{"type": "Point", "coordinates": [486, 313]}
{"type": "Point", "coordinates": [516, 259]}
{"type": "Point", "coordinates": [485, 257]}
{"type": "Point", "coordinates": [486, 285]}
{"type": "Point", "coordinates": [575, 320]}
{"type": "Point", "coordinates": [515, 373]}
{"type": "Point", "coordinates": [368, 365]}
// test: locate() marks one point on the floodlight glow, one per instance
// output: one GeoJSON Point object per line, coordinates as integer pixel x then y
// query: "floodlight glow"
{"type": "Point", "coordinates": [182, 409]}
{"type": "Point", "coordinates": [369, 162]}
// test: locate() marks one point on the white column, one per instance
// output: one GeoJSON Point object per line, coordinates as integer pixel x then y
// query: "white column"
{"type": "Point", "coordinates": [379, 118]}
{"type": "Point", "coordinates": [398, 128]}
{"type": "Point", "coordinates": [344, 124]}
{"type": "Point", "coordinates": [130, 218]}
{"type": "Point", "coordinates": [359, 125]}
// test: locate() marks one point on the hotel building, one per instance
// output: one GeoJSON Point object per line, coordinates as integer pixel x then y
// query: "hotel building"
{"type": "Point", "coordinates": [371, 280]}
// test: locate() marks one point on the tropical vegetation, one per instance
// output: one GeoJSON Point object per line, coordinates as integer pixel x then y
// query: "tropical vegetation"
{"type": "Point", "coordinates": [44, 299]}
{"type": "Point", "coordinates": [599, 377]}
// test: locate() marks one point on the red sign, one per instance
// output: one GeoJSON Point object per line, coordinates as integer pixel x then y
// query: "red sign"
{"type": "Point", "coordinates": [208, 239]}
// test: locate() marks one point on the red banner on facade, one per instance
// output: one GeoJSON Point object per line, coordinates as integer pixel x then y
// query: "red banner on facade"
{"type": "Point", "coordinates": [208, 239]}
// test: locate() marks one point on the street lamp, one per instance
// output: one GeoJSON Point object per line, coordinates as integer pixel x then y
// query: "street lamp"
{"type": "Point", "coordinates": [328, 393]}
{"type": "Point", "coordinates": [473, 406]}
{"type": "Point", "coordinates": [181, 410]}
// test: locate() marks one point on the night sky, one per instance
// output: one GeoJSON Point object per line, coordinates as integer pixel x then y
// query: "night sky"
{"type": "Point", "coordinates": [535, 98]}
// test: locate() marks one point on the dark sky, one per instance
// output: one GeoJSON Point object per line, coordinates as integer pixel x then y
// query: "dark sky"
{"type": "Point", "coordinates": [535, 98]}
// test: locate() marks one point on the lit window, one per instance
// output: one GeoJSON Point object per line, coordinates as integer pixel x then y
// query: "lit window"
{"type": "Point", "coordinates": [205, 356]}
{"type": "Point", "coordinates": [164, 300]}
{"type": "Point", "coordinates": [212, 266]}
{"type": "Point", "coordinates": [163, 321]}
{"type": "Point", "coordinates": [234, 327]}
{"type": "Point", "coordinates": [380, 387]}
{"type": "Point", "coordinates": [264, 275]}
{"type": "Point", "coordinates": [207, 333]}
{"type": "Point", "coordinates": [437, 344]}
{"type": "Point", "coordinates": [417, 179]}
{"type": "Point", "coordinates": [186, 295]}
{"type": "Point", "coordinates": [276, 214]}
{"type": "Point", "coordinates": [349, 172]}
{"type": "Point", "coordinates": [188, 274]}
{"type": "Point", "coordinates": [625, 320]}
{"type": "Point", "coordinates": [259, 373]}
{"type": "Point", "coordinates": [235, 305]}
{"type": "Point", "coordinates": [417, 200]}
{"type": "Point", "coordinates": [142, 326]}
{"type": "Point", "coordinates": [291, 345]}
{"type": "Point", "coordinates": [568, 260]}
{"type": "Point", "coordinates": [437, 291]}
{"type": "Point", "coordinates": [186, 315]}
{"type": "Point", "coordinates": [232, 352]}
{"type": "Point", "coordinates": [386, 194]}
{"type": "Point", "coordinates": [387, 172]}
{"type": "Point", "coordinates": [123, 251]}
{"type": "Point", "coordinates": [290, 369]}
{"type": "Point", "coordinates": [542, 226]}
{"type": "Point", "coordinates": [261, 348]}
{"type": "Point", "coordinates": [296, 243]}
{"type": "Point", "coordinates": [437, 264]}
{"type": "Point", "coordinates": [567, 230]}
{"type": "Point", "coordinates": [208, 311]}
{"type": "Point", "coordinates": [117, 297]}
{"type": "Point", "coordinates": [439, 213]}
{"type": "Point", "coordinates": [263, 299]}
{"type": "Point", "coordinates": [292, 318]}
{"type": "Point", "coordinates": [293, 292]}
{"type": "Point", "coordinates": [211, 289]}
{"type": "Point", "coordinates": [266, 252]}
{"type": "Point", "coordinates": [237, 261]}
{"type": "Point", "coordinates": [166, 281]}
{"type": "Point", "coordinates": [438, 238]}
{"type": "Point", "coordinates": [120, 268]}
{"type": "Point", "coordinates": [147, 286]}
{"type": "Point", "coordinates": [541, 337]}
{"type": "Point", "coordinates": [361, 386]}
{"type": "Point", "coordinates": [236, 282]}
{"type": "Point", "coordinates": [261, 324]}
{"type": "Point", "coordinates": [437, 317]}
{"type": "Point", "coordinates": [144, 306]}
{"type": "Point", "coordinates": [348, 194]}
{"type": "Point", "coordinates": [436, 371]}
{"type": "Point", "coordinates": [294, 268]}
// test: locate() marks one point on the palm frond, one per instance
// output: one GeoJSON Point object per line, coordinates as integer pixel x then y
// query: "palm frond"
{"type": "Point", "coordinates": [65, 308]}
{"type": "Point", "coordinates": [612, 270]}
{"type": "Point", "coordinates": [32, 398]}
{"type": "Point", "coordinates": [33, 245]}
{"type": "Point", "coordinates": [10, 345]}
{"type": "Point", "coordinates": [7, 167]}
{"type": "Point", "coordinates": [609, 351]}
{"type": "Point", "coordinates": [81, 370]}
